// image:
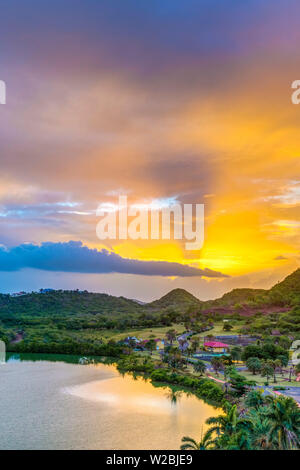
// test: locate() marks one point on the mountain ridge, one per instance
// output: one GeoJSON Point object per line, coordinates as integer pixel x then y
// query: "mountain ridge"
{"type": "Point", "coordinates": [59, 302]}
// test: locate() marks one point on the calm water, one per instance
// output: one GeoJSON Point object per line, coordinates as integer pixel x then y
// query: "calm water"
{"type": "Point", "coordinates": [59, 405]}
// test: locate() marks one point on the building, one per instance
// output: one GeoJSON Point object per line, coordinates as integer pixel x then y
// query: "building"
{"type": "Point", "coordinates": [18, 294]}
{"type": "Point", "coordinates": [216, 347]}
{"type": "Point", "coordinates": [131, 339]}
{"type": "Point", "coordinates": [275, 333]}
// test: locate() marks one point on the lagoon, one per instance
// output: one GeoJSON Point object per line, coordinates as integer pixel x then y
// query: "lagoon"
{"type": "Point", "coordinates": [53, 402]}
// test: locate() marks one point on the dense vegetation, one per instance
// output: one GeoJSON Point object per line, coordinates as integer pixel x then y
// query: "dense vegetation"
{"type": "Point", "coordinates": [74, 323]}
{"type": "Point", "coordinates": [178, 299]}
{"type": "Point", "coordinates": [65, 320]}
{"type": "Point", "coordinates": [257, 423]}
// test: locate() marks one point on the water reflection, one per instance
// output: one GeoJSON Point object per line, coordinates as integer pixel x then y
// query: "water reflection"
{"type": "Point", "coordinates": [173, 395]}
{"type": "Point", "coordinates": [63, 405]}
{"type": "Point", "coordinates": [68, 359]}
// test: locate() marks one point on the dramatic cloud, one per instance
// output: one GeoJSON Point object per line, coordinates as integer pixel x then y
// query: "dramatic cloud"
{"type": "Point", "coordinates": [74, 257]}
{"type": "Point", "coordinates": [158, 100]}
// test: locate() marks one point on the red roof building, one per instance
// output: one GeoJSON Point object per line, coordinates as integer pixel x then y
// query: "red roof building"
{"type": "Point", "coordinates": [216, 346]}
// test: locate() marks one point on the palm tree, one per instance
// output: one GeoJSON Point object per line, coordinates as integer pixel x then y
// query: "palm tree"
{"type": "Point", "coordinates": [273, 424]}
{"type": "Point", "coordinates": [216, 364]}
{"type": "Point", "coordinates": [291, 371]}
{"type": "Point", "coordinates": [284, 415]}
{"type": "Point", "coordinates": [190, 444]}
{"type": "Point", "coordinates": [273, 364]}
{"type": "Point", "coordinates": [266, 370]}
{"type": "Point", "coordinates": [254, 399]}
{"type": "Point", "coordinates": [258, 427]}
{"type": "Point", "coordinates": [199, 367]}
{"type": "Point", "coordinates": [174, 395]}
{"type": "Point", "coordinates": [233, 432]}
{"type": "Point", "coordinates": [224, 425]}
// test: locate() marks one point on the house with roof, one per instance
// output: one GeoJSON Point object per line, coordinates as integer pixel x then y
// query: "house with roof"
{"type": "Point", "coordinates": [216, 347]}
{"type": "Point", "coordinates": [18, 294]}
{"type": "Point", "coordinates": [275, 333]}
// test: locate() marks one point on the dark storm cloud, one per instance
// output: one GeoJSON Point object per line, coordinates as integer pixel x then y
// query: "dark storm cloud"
{"type": "Point", "coordinates": [73, 257]}
{"type": "Point", "coordinates": [131, 31]}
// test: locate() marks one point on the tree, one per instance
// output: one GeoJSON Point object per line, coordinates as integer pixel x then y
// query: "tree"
{"type": "Point", "coordinates": [229, 370]}
{"type": "Point", "coordinates": [254, 399]}
{"type": "Point", "coordinates": [251, 350]}
{"type": "Point", "coordinates": [266, 370]}
{"type": "Point", "coordinates": [239, 383]}
{"type": "Point", "coordinates": [285, 417]}
{"type": "Point", "coordinates": [171, 335]}
{"type": "Point", "coordinates": [268, 423]}
{"type": "Point", "coordinates": [253, 364]}
{"type": "Point", "coordinates": [284, 342]}
{"type": "Point", "coordinates": [229, 429]}
{"type": "Point", "coordinates": [175, 360]}
{"type": "Point", "coordinates": [273, 365]}
{"type": "Point", "coordinates": [150, 346]}
{"type": "Point", "coordinates": [266, 351]}
{"type": "Point", "coordinates": [284, 360]}
{"type": "Point", "coordinates": [194, 345]}
{"type": "Point", "coordinates": [278, 365]}
{"type": "Point", "coordinates": [227, 326]}
{"type": "Point", "coordinates": [258, 427]}
{"type": "Point", "coordinates": [236, 353]}
{"type": "Point", "coordinates": [199, 367]}
{"type": "Point", "coordinates": [217, 364]}
{"type": "Point", "coordinates": [205, 442]}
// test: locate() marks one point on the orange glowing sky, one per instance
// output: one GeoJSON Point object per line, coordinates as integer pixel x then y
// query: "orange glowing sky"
{"type": "Point", "coordinates": [180, 102]}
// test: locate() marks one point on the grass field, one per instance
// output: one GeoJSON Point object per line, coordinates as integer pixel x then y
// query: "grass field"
{"type": "Point", "coordinates": [217, 330]}
{"type": "Point", "coordinates": [160, 332]}
{"type": "Point", "coordinates": [146, 333]}
{"type": "Point", "coordinates": [280, 380]}
{"type": "Point", "coordinates": [143, 333]}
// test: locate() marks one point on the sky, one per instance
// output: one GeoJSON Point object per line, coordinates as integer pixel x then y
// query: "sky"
{"type": "Point", "coordinates": [161, 101]}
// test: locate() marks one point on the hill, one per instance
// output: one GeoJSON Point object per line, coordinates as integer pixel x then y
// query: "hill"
{"type": "Point", "coordinates": [248, 302]}
{"type": "Point", "coordinates": [177, 299]}
{"type": "Point", "coordinates": [290, 286]}
{"type": "Point", "coordinates": [237, 296]}
{"type": "Point", "coordinates": [82, 303]}
{"type": "Point", "coordinates": [62, 303]}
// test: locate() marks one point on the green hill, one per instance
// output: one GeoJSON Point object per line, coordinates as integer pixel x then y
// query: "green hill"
{"type": "Point", "coordinates": [289, 286]}
{"type": "Point", "coordinates": [178, 299]}
{"type": "Point", "coordinates": [282, 295]}
{"type": "Point", "coordinates": [61, 321]}
{"type": "Point", "coordinates": [62, 303]}
{"type": "Point", "coordinates": [237, 296]}
{"type": "Point", "coordinates": [77, 303]}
